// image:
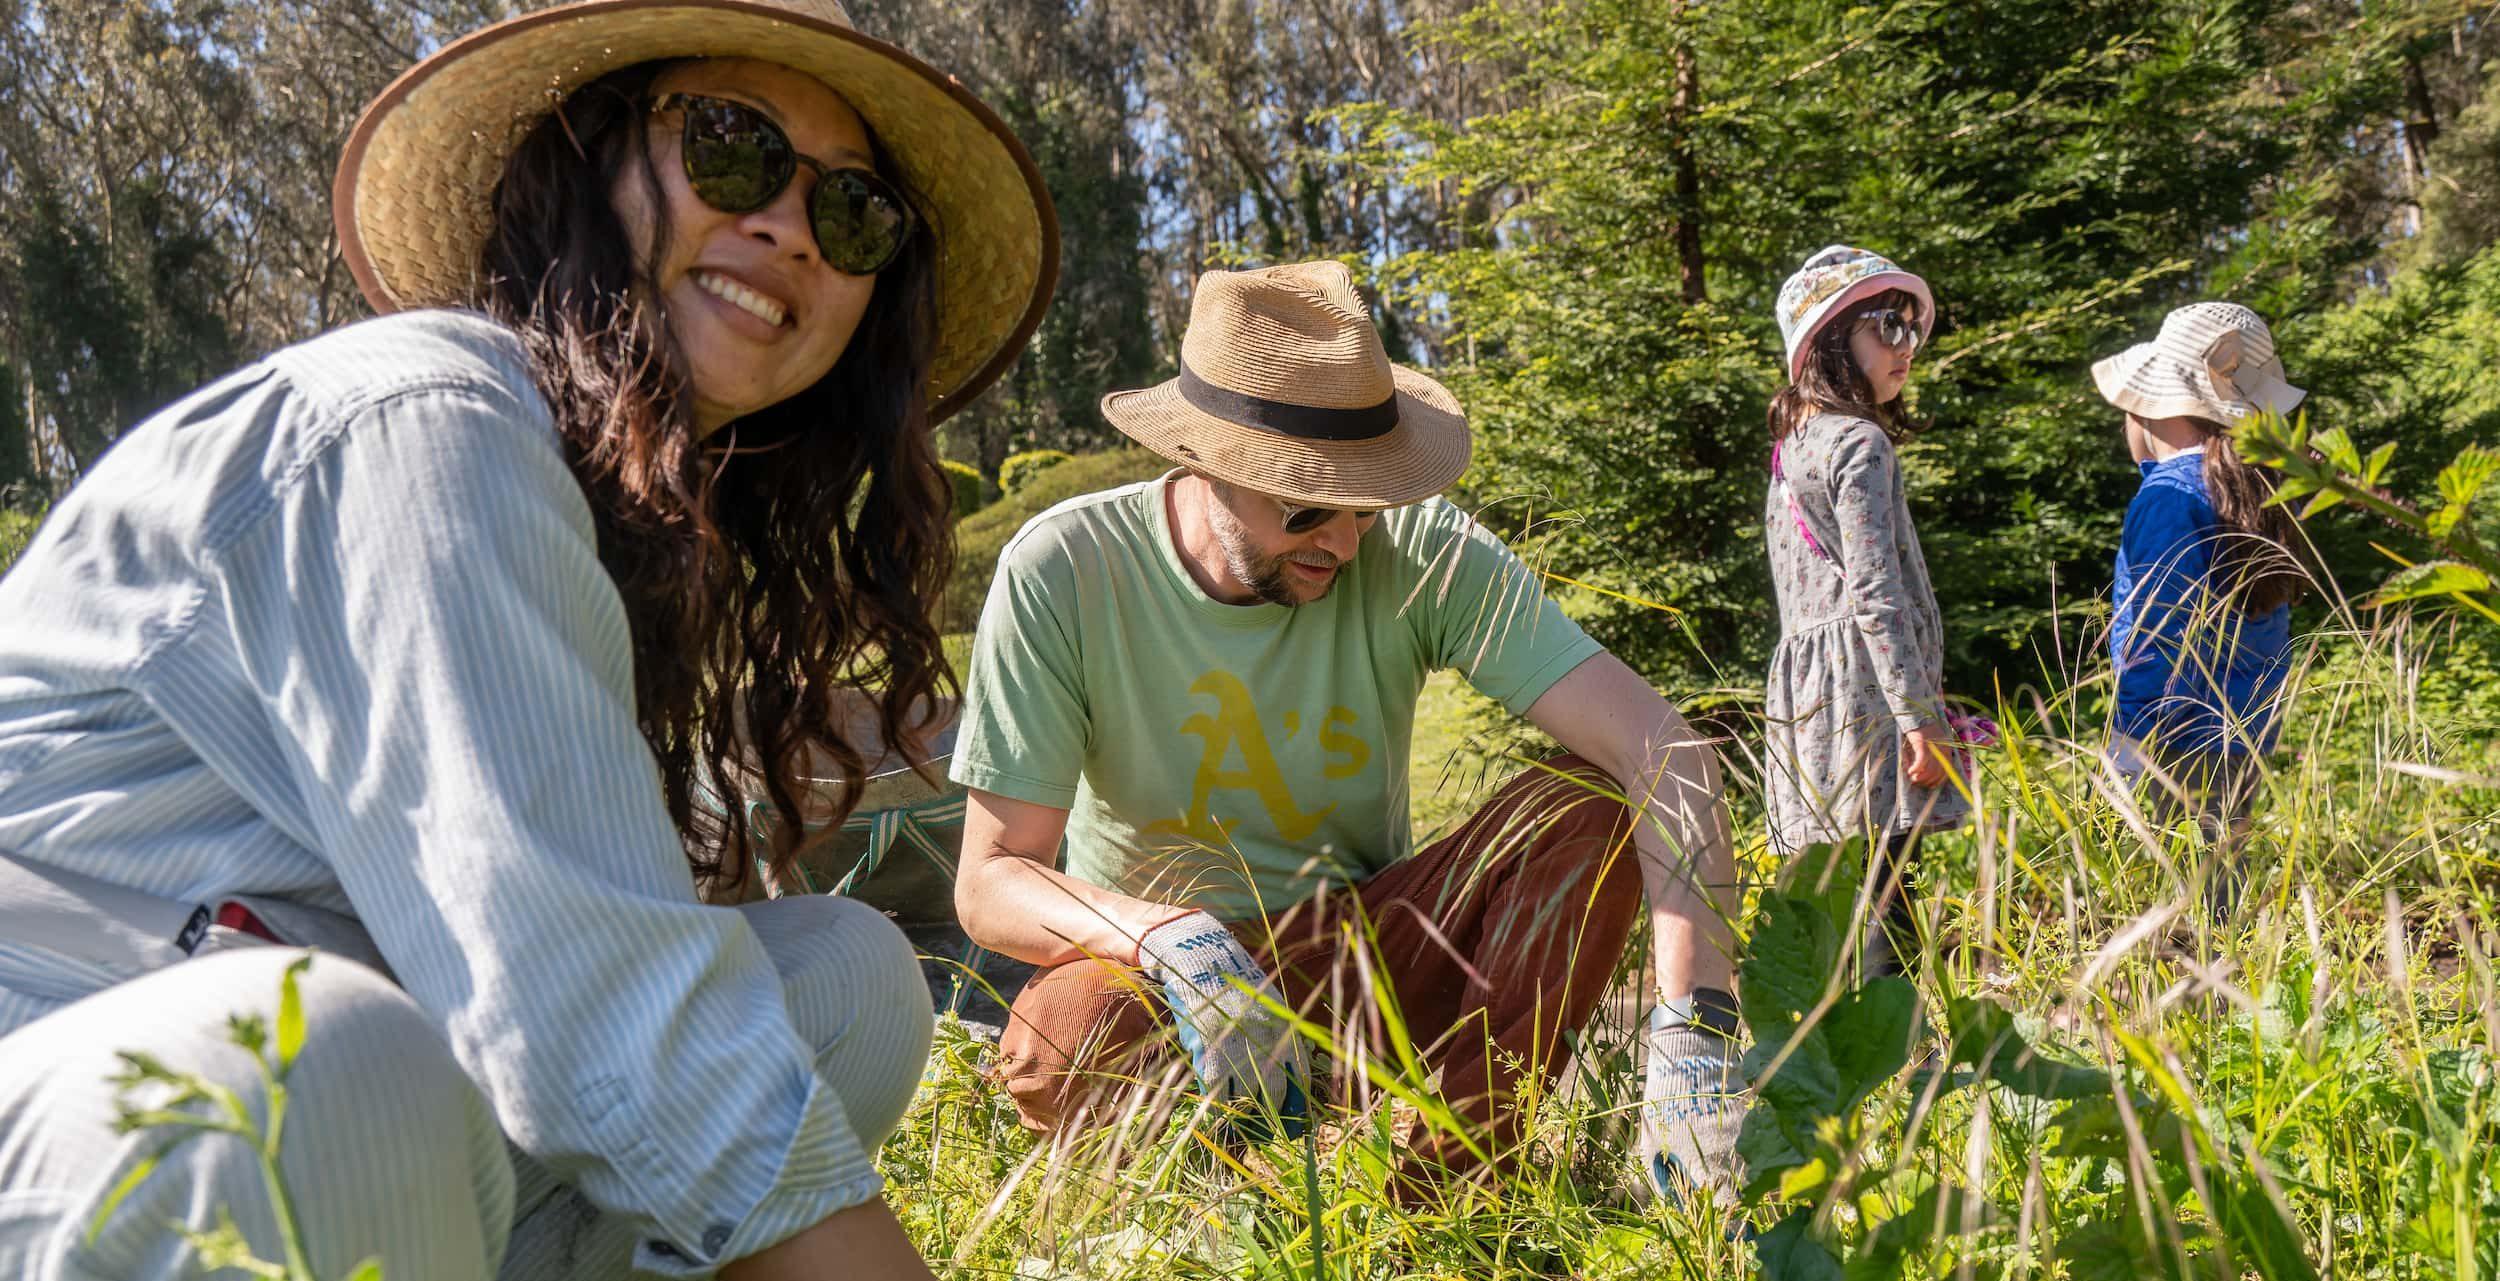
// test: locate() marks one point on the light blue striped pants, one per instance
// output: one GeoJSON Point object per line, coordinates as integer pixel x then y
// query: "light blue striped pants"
{"type": "Point", "coordinates": [389, 1149]}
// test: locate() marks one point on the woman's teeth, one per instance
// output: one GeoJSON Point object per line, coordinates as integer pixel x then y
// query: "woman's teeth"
{"type": "Point", "coordinates": [741, 297]}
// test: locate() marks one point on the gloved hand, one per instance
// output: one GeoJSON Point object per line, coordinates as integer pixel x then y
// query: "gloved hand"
{"type": "Point", "coordinates": [1693, 1101]}
{"type": "Point", "coordinates": [1242, 1051]}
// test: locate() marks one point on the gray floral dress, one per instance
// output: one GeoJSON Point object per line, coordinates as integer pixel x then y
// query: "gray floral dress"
{"type": "Point", "coordinates": [1861, 650]}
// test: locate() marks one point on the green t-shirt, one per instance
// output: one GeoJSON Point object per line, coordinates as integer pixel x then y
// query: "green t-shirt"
{"type": "Point", "coordinates": [1228, 757]}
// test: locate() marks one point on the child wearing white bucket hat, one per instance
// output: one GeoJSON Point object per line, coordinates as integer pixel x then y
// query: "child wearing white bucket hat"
{"type": "Point", "coordinates": [2204, 578]}
{"type": "Point", "coordinates": [1859, 736]}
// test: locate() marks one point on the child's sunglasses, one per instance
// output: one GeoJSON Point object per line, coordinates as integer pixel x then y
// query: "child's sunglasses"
{"type": "Point", "coordinates": [738, 161]}
{"type": "Point", "coordinates": [1894, 329]}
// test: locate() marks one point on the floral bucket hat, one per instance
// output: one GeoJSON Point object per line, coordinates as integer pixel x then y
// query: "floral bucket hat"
{"type": "Point", "coordinates": [1836, 278]}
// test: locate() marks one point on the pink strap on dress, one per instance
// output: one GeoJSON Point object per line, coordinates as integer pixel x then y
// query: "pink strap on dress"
{"type": "Point", "coordinates": [1780, 475]}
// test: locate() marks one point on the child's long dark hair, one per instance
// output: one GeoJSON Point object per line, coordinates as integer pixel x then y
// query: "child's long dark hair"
{"type": "Point", "coordinates": [1831, 383]}
{"type": "Point", "coordinates": [2252, 554]}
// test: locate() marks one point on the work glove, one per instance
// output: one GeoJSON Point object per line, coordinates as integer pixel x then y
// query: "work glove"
{"type": "Point", "coordinates": [1244, 1053]}
{"type": "Point", "coordinates": [1693, 1100]}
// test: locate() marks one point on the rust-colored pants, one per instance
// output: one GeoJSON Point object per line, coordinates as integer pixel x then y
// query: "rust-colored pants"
{"type": "Point", "coordinates": [1495, 940]}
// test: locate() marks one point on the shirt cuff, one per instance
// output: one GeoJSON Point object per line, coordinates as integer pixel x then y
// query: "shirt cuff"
{"type": "Point", "coordinates": [823, 1172]}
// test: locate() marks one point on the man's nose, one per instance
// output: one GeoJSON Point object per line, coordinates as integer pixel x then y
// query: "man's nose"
{"type": "Point", "coordinates": [1340, 535]}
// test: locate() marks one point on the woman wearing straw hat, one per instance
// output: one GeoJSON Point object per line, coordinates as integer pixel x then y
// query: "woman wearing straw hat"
{"type": "Point", "coordinates": [413, 642]}
{"type": "Point", "coordinates": [2205, 580]}
{"type": "Point", "coordinates": [1857, 725]}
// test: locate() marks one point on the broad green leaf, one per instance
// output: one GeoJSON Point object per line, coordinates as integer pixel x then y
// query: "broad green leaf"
{"type": "Point", "coordinates": [2464, 478]}
{"type": "Point", "coordinates": [1766, 1152]}
{"type": "Point", "coordinates": [369, 1270]}
{"type": "Point", "coordinates": [2377, 464]}
{"type": "Point", "coordinates": [2443, 522]}
{"type": "Point", "coordinates": [1803, 1090]}
{"type": "Point", "coordinates": [1788, 963]}
{"type": "Point", "coordinates": [1984, 1034]}
{"type": "Point", "coordinates": [2258, 1234]}
{"type": "Point", "coordinates": [1801, 1182]}
{"type": "Point", "coordinates": [1933, 1215]}
{"type": "Point", "coordinates": [1789, 1252]}
{"type": "Point", "coordinates": [2430, 578]}
{"type": "Point", "coordinates": [2326, 498]}
{"type": "Point", "coordinates": [290, 1015]}
{"type": "Point", "coordinates": [1869, 1033]}
{"type": "Point", "coordinates": [2335, 444]}
{"type": "Point", "coordinates": [2108, 1250]}
{"type": "Point", "coordinates": [2091, 1127]}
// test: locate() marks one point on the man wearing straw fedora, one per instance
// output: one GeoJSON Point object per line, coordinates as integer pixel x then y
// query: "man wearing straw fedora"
{"type": "Point", "coordinates": [1203, 688]}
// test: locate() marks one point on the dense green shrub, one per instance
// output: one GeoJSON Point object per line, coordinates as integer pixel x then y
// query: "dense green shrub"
{"type": "Point", "coordinates": [16, 528]}
{"type": "Point", "coordinates": [971, 491]}
{"type": "Point", "coordinates": [979, 538]}
{"type": "Point", "coordinates": [1019, 470]}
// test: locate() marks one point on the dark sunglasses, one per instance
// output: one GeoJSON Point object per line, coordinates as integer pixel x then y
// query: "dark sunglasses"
{"type": "Point", "coordinates": [1894, 329]}
{"type": "Point", "coordinates": [1302, 520]}
{"type": "Point", "coordinates": [738, 161]}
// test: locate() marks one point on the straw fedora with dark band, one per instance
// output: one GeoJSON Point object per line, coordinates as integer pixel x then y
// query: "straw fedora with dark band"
{"type": "Point", "coordinates": [1284, 388]}
{"type": "Point", "coordinates": [413, 183]}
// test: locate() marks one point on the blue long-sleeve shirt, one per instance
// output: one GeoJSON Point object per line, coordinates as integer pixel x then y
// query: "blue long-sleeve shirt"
{"type": "Point", "coordinates": [2195, 674]}
{"type": "Point", "coordinates": [334, 630]}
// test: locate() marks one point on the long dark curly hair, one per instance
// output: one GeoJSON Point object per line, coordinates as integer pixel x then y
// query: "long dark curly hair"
{"type": "Point", "coordinates": [1831, 382]}
{"type": "Point", "coordinates": [764, 570]}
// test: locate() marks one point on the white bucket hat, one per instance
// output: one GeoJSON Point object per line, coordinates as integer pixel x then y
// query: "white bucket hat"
{"type": "Point", "coordinates": [1831, 282]}
{"type": "Point", "coordinates": [2212, 360]}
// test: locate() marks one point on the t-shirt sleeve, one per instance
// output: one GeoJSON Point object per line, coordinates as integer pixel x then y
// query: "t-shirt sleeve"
{"type": "Point", "coordinates": [1478, 608]}
{"type": "Point", "coordinates": [1026, 723]}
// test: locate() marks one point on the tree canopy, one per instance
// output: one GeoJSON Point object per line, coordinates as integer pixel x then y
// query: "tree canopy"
{"type": "Point", "coordinates": [1575, 211]}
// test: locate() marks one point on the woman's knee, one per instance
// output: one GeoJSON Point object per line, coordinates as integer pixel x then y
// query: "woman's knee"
{"type": "Point", "coordinates": [388, 1148]}
{"type": "Point", "coordinates": [855, 992]}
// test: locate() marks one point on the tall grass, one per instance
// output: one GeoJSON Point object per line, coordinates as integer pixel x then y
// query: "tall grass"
{"type": "Point", "coordinates": [2303, 1086]}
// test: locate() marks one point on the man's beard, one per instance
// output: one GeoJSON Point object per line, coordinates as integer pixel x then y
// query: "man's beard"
{"type": "Point", "coordinates": [1266, 576]}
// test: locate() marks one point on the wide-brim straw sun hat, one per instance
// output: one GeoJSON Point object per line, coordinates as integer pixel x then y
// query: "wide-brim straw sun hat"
{"type": "Point", "coordinates": [1834, 279]}
{"type": "Point", "coordinates": [2212, 360]}
{"type": "Point", "coordinates": [411, 200]}
{"type": "Point", "coordinates": [1285, 389]}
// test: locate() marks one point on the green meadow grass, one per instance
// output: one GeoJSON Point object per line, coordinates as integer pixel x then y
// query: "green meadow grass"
{"type": "Point", "coordinates": [2319, 1059]}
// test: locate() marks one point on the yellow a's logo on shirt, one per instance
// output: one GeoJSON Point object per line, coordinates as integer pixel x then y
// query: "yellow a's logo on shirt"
{"type": "Point", "coordinates": [1234, 728]}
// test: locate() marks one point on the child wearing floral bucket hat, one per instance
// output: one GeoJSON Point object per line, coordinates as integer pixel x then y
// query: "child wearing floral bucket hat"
{"type": "Point", "coordinates": [2205, 576]}
{"type": "Point", "coordinates": [416, 641]}
{"type": "Point", "coordinates": [1860, 739]}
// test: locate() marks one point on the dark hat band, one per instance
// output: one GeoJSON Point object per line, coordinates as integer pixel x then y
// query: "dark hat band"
{"type": "Point", "coordinates": [1310, 422]}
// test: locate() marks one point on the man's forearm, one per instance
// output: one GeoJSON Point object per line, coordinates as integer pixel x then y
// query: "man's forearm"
{"type": "Point", "coordinates": [1020, 907]}
{"type": "Point", "coordinates": [1688, 868]}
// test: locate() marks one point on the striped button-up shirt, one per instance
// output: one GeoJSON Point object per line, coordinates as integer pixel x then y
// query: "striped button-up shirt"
{"type": "Point", "coordinates": [334, 630]}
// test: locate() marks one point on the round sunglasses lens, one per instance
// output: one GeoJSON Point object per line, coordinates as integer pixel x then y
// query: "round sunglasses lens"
{"type": "Point", "coordinates": [736, 160]}
{"type": "Point", "coordinates": [860, 221]}
{"type": "Point", "coordinates": [1897, 332]}
{"type": "Point", "coordinates": [1306, 519]}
